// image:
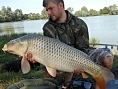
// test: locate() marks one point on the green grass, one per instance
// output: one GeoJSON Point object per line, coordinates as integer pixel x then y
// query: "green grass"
{"type": "Point", "coordinates": [115, 62]}
{"type": "Point", "coordinates": [8, 78]}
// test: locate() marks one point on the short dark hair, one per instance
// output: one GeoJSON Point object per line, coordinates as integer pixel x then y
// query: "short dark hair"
{"type": "Point", "coordinates": [54, 1]}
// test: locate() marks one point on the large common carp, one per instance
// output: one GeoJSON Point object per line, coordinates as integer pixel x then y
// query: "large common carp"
{"type": "Point", "coordinates": [56, 55]}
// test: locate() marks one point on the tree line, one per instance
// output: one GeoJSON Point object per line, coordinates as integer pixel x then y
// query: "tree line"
{"type": "Point", "coordinates": [7, 15]}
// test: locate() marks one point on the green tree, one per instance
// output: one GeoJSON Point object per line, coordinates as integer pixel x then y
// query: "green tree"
{"type": "Point", "coordinates": [37, 16]}
{"type": "Point", "coordinates": [25, 17]}
{"type": "Point", "coordinates": [30, 16]}
{"type": "Point", "coordinates": [105, 10]}
{"type": "Point", "coordinates": [3, 10]}
{"type": "Point", "coordinates": [6, 14]}
{"type": "Point", "coordinates": [44, 14]}
{"type": "Point", "coordinates": [0, 13]}
{"type": "Point", "coordinates": [78, 13]}
{"type": "Point", "coordinates": [33, 16]}
{"type": "Point", "coordinates": [94, 41]}
{"type": "Point", "coordinates": [93, 12]}
{"type": "Point", "coordinates": [70, 9]}
{"type": "Point", "coordinates": [9, 13]}
{"type": "Point", "coordinates": [18, 15]}
{"type": "Point", "coordinates": [113, 9]}
{"type": "Point", "coordinates": [1, 19]}
{"type": "Point", "coordinates": [84, 11]}
{"type": "Point", "coordinates": [101, 12]}
{"type": "Point", "coordinates": [3, 13]}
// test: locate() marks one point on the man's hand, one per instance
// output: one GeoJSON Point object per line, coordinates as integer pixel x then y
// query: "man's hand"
{"type": "Point", "coordinates": [78, 71]}
{"type": "Point", "coordinates": [30, 58]}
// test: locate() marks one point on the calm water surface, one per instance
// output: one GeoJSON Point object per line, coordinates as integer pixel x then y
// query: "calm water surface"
{"type": "Point", "coordinates": [103, 28]}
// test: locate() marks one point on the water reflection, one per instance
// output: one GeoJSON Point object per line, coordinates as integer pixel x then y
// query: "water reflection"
{"type": "Point", "coordinates": [11, 28]}
{"type": "Point", "coordinates": [34, 26]}
{"type": "Point", "coordinates": [103, 28]}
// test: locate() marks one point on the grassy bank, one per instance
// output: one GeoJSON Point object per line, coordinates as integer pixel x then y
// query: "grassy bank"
{"type": "Point", "coordinates": [8, 78]}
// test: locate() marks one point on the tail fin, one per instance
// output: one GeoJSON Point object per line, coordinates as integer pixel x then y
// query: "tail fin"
{"type": "Point", "coordinates": [107, 74]}
{"type": "Point", "coordinates": [103, 77]}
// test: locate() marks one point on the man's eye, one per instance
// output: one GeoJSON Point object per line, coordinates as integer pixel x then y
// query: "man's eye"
{"type": "Point", "coordinates": [51, 8]}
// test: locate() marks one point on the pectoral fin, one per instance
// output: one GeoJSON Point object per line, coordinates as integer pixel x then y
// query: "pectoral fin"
{"type": "Point", "coordinates": [51, 71]}
{"type": "Point", "coordinates": [25, 66]}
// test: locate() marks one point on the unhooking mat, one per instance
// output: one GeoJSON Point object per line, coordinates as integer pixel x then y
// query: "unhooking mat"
{"type": "Point", "coordinates": [33, 84]}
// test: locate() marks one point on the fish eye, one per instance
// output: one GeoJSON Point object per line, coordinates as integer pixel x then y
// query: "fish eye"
{"type": "Point", "coordinates": [13, 41]}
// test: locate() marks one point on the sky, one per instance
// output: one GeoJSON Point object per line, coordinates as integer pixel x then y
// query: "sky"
{"type": "Point", "coordinates": [35, 6]}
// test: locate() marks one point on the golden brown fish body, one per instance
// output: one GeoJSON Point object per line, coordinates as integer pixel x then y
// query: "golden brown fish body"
{"type": "Point", "coordinates": [56, 55]}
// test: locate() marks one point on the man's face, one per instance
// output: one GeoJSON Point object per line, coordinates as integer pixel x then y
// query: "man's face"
{"type": "Point", "coordinates": [54, 11]}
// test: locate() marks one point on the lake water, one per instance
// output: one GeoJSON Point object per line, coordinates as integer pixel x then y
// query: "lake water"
{"type": "Point", "coordinates": [103, 28]}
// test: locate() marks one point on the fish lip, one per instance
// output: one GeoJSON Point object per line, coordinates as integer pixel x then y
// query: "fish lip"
{"type": "Point", "coordinates": [5, 48]}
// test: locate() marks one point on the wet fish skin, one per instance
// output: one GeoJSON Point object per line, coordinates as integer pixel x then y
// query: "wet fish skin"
{"type": "Point", "coordinates": [55, 55]}
{"type": "Point", "coordinates": [53, 50]}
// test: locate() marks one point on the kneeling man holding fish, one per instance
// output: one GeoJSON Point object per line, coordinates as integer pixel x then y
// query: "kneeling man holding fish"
{"type": "Point", "coordinates": [68, 54]}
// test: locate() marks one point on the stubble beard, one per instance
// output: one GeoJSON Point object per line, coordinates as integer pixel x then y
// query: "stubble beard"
{"type": "Point", "coordinates": [57, 18]}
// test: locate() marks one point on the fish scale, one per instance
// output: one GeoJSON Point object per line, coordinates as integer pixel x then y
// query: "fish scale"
{"type": "Point", "coordinates": [48, 51]}
{"type": "Point", "coordinates": [56, 55]}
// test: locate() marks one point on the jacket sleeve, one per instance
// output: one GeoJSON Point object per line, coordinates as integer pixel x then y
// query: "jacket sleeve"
{"type": "Point", "coordinates": [82, 36]}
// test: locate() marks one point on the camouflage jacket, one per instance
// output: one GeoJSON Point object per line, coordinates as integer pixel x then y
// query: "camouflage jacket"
{"type": "Point", "coordinates": [73, 32]}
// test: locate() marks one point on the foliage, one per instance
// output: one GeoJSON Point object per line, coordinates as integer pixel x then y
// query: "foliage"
{"type": "Point", "coordinates": [70, 9]}
{"type": "Point", "coordinates": [113, 10]}
{"type": "Point", "coordinates": [84, 11]}
{"type": "Point", "coordinates": [7, 15]}
{"type": "Point", "coordinates": [44, 14]}
{"type": "Point", "coordinates": [115, 63]}
{"type": "Point", "coordinates": [93, 12]}
{"type": "Point", "coordinates": [77, 13]}
{"type": "Point", "coordinates": [93, 41]}
{"type": "Point", "coordinates": [33, 16]}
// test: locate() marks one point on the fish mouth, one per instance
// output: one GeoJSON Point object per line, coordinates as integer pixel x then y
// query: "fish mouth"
{"type": "Point", "coordinates": [5, 48]}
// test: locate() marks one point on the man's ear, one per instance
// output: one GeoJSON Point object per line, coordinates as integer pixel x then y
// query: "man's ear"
{"type": "Point", "coordinates": [61, 6]}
